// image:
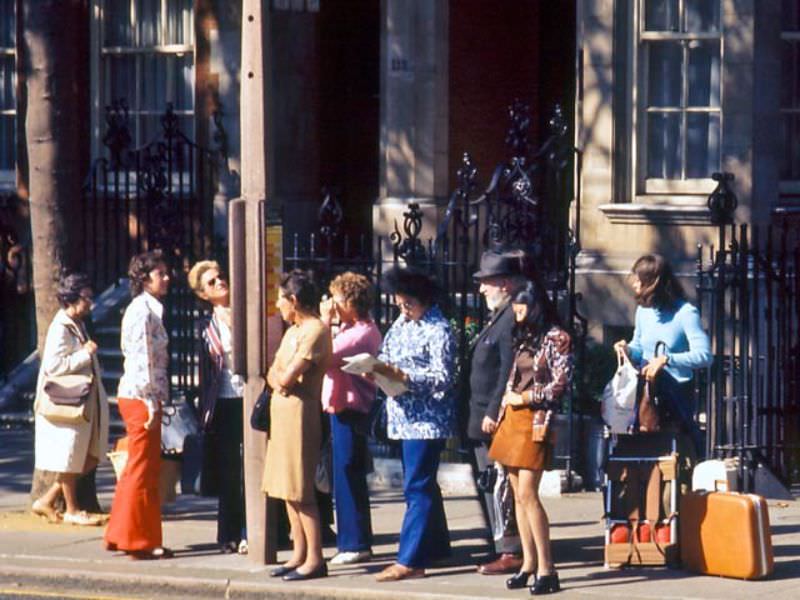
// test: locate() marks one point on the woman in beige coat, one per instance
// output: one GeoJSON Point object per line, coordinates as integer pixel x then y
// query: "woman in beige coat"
{"type": "Point", "coordinates": [70, 449]}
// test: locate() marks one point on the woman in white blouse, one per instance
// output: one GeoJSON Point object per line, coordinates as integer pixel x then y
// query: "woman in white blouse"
{"type": "Point", "coordinates": [135, 523]}
{"type": "Point", "coordinates": [221, 404]}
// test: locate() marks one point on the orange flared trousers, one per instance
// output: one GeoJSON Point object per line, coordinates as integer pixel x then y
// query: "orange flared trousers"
{"type": "Point", "coordinates": [135, 522]}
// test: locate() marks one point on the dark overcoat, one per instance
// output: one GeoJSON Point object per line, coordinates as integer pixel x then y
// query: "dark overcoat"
{"type": "Point", "coordinates": [491, 358]}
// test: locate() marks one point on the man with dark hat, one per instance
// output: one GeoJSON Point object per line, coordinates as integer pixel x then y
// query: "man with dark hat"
{"type": "Point", "coordinates": [491, 356]}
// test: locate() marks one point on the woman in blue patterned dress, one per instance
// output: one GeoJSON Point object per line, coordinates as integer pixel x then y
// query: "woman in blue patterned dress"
{"type": "Point", "coordinates": [419, 350]}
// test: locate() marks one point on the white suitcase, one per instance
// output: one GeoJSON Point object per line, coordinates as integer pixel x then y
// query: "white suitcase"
{"type": "Point", "coordinates": [716, 475]}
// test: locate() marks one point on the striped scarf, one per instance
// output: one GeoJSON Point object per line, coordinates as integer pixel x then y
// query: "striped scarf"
{"type": "Point", "coordinates": [213, 340]}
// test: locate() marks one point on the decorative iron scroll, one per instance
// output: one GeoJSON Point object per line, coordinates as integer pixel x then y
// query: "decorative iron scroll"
{"type": "Point", "coordinates": [407, 245]}
{"type": "Point", "coordinates": [525, 204]}
{"type": "Point", "coordinates": [722, 201]}
{"type": "Point", "coordinates": [118, 137]}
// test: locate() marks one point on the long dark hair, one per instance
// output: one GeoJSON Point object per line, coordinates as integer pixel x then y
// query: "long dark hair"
{"type": "Point", "coordinates": [542, 314]}
{"type": "Point", "coordinates": [660, 288]}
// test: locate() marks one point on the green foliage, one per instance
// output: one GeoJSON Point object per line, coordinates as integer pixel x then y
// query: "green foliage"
{"type": "Point", "coordinates": [597, 366]}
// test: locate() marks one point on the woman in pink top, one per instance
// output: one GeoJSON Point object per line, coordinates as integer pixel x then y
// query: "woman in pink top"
{"type": "Point", "coordinates": [348, 398]}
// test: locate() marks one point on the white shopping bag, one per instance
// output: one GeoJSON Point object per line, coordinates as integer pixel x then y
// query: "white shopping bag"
{"type": "Point", "coordinates": [619, 397]}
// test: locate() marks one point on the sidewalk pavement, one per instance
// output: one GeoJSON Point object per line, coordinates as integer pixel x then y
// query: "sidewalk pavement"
{"type": "Point", "coordinates": [34, 554]}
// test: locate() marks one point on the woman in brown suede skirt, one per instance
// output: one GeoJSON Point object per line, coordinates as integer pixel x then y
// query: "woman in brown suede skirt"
{"type": "Point", "coordinates": [523, 442]}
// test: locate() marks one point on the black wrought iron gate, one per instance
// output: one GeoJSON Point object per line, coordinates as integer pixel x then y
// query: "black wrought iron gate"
{"type": "Point", "coordinates": [749, 293]}
{"type": "Point", "coordinates": [157, 196]}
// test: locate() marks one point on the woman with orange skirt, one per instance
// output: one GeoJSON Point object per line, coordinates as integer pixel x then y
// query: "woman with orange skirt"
{"type": "Point", "coordinates": [523, 444]}
{"type": "Point", "coordinates": [135, 523]}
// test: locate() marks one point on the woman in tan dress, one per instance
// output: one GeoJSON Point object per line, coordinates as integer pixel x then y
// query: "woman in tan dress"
{"type": "Point", "coordinates": [523, 443]}
{"type": "Point", "coordinates": [295, 423]}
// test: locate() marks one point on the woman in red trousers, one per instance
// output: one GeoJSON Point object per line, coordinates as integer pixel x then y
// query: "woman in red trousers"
{"type": "Point", "coordinates": [135, 523]}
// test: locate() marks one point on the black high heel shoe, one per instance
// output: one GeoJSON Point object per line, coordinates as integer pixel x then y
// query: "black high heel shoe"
{"type": "Point", "coordinates": [546, 584]}
{"type": "Point", "coordinates": [519, 580]}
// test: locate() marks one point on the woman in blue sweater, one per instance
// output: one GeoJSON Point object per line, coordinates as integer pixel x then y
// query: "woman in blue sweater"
{"type": "Point", "coordinates": [664, 315]}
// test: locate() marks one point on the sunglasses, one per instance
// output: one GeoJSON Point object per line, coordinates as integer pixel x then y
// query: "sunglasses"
{"type": "Point", "coordinates": [214, 281]}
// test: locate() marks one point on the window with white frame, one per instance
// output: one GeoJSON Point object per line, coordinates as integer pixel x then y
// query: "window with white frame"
{"type": "Point", "coordinates": [678, 55]}
{"type": "Point", "coordinates": [790, 96]}
{"type": "Point", "coordinates": [146, 57]}
{"type": "Point", "coordinates": [8, 91]}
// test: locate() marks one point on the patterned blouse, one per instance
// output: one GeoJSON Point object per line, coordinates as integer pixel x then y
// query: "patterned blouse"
{"type": "Point", "coordinates": [144, 346]}
{"type": "Point", "coordinates": [546, 370]}
{"type": "Point", "coordinates": [425, 351]}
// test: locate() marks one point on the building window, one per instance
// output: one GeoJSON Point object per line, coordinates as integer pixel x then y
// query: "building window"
{"type": "Point", "coordinates": [677, 94]}
{"type": "Point", "coordinates": [790, 96]}
{"type": "Point", "coordinates": [8, 89]}
{"type": "Point", "coordinates": [146, 57]}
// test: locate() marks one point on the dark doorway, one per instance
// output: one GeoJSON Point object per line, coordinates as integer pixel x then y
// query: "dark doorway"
{"type": "Point", "coordinates": [349, 105]}
{"type": "Point", "coordinates": [500, 51]}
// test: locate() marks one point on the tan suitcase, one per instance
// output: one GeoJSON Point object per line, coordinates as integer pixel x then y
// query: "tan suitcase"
{"type": "Point", "coordinates": [727, 534]}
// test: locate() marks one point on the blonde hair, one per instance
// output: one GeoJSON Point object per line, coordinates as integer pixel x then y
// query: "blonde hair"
{"type": "Point", "coordinates": [195, 275]}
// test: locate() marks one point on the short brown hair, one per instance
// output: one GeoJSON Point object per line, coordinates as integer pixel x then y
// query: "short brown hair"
{"type": "Point", "coordinates": [660, 288]}
{"type": "Point", "coordinates": [195, 276]}
{"type": "Point", "coordinates": [356, 289]}
{"type": "Point", "coordinates": [140, 267]}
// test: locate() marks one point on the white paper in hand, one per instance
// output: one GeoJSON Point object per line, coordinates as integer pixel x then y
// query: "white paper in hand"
{"type": "Point", "coordinates": [365, 363]}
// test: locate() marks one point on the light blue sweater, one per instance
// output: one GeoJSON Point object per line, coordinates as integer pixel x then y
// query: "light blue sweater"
{"type": "Point", "coordinates": [680, 328]}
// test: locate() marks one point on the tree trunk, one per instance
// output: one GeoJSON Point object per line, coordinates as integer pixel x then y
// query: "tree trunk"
{"type": "Point", "coordinates": [55, 60]}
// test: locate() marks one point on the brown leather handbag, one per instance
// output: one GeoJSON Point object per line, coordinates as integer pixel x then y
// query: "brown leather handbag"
{"type": "Point", "coordinates": [649, 418]}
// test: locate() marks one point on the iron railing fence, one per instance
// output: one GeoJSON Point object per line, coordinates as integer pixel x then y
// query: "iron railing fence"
{"type": "Point", "coordinates": [749, 294]}
{"type": "Point", "coordinates": [160, 196]}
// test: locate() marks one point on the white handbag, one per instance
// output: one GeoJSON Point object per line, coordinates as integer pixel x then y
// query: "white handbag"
{"type": "Point", "coordinates": [64, 399]}
{"type": "Point", "coordinates": [619, 397]}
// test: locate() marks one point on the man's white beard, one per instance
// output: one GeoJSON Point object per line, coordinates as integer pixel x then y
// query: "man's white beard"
{"type": "Point", "coordinates": [495, 301]}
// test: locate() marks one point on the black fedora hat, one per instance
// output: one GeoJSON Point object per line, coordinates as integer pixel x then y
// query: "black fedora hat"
{"type": "Point", "coordinates": [497, 264]}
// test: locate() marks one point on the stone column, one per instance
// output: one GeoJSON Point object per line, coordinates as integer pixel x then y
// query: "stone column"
{"type": "Point", "coordinates": [414, 112]}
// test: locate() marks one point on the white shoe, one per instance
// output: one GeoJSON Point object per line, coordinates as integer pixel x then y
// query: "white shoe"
{"type": "Point", "coordinates": [242, 549]}
{"type": "Point", "coordinates": [351, 558]}
{"type": "Point", "coordinates": [80, 518]}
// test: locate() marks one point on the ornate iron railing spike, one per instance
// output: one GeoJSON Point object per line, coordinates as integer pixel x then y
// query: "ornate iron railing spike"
{"type": "Point", "coordinates": [722, 202]}
{"type": "Point", "coordinates": [118, 137]}
{"type": "Point", "coordinates": [169, 122]}
{"type": "Point", "coordinates": [558, 124]}
{"type": "Point", "coordinates": [330, 214]}
{"type": "Point", "coordinates": [407, 245]}
{"type": "Point", "coordinates": [517, 137]}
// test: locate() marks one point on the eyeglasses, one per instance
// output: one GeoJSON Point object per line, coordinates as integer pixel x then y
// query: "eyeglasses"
{"type": "Point", "coordinates": [214, 281]}
{"type": "Point", "coordinates": [406, 305]}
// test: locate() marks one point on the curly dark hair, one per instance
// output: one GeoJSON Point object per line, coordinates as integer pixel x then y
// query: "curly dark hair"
{"type": "Point", "coordinates": [300, 284]}
{"type": "Point", "coordinates": [412, 282]}
{"type": "Point", "coordinates": [356, 289]}
{"type": "Point", "coordinates": [70, 287]}
{"type": "Point", "coordinates": [660, 288]}
{"type": "Point", "coordinates": [140, 267]}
